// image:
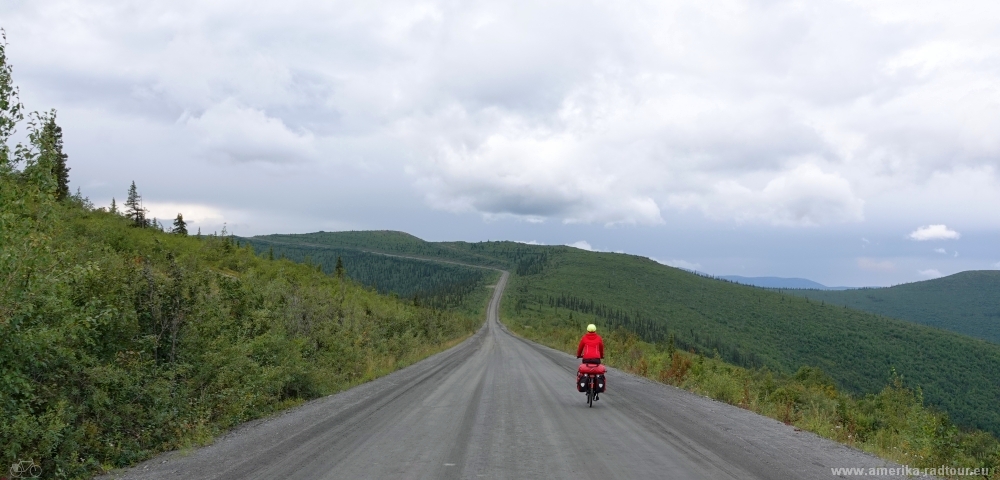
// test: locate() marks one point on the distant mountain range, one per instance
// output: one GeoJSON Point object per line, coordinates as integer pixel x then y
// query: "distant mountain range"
{"type": "Point", "coordinates": [780, 282]}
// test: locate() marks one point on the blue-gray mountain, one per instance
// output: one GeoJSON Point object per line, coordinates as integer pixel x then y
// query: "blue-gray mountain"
{"type": "Point", "coordinates": [779, 282]}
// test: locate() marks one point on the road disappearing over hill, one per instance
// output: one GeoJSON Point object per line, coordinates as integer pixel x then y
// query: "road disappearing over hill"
{"type": "Point", "coordinates": [497, 406]}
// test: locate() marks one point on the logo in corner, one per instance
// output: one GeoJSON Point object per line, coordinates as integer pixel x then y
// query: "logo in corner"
{"type": "Point", "coordinates": [25, 469]}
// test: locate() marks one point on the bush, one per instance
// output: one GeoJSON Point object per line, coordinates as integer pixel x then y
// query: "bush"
{"type": "Point", "coordinates": [121, 342]}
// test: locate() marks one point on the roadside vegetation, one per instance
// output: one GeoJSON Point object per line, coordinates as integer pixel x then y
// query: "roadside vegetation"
{"type": "Point", "coordinates": [966, 302]}
{"type": "Point", "coordinates": [893, 423]}
{"type": "Point", "coordinates": [120, 340]}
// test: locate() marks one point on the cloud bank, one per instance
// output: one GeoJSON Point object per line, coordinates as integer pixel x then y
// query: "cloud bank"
{"type": "Point", "coordinates": [775, 113]}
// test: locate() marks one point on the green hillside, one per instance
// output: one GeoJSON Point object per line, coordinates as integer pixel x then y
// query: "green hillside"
{"type": "Point", "coordinates": [966, 302]}
{"type": "Point", "coordinates": [384, 241]}
{"type": "Point", "coordinates": [121, 341]}
{"type": "Point", "coordinates": [433, 283]}
{"type": "Point", "coordinates": [755, 327]}
{"type": "Point", "coordinates": [744, 325]}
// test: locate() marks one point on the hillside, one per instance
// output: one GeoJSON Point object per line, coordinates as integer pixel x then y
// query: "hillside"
{"type": "Point", "coordinates": [754, 327]}
{"type": "Point", "coordinates": [744, 325]}
{"type": "Point", "coordinates": [441, 285]}
{"type": "Point", "coordinates": [966, 302]}
{"type": "Point", "coordinates": [121, 341]}
{"type": "Point", "coordinates": [384, 241]}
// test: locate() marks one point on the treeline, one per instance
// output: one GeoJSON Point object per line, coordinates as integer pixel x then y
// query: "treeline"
{"type": "Point", "coordinates": [520, 258]}
{"type": "Point", "coordinates": [523, 259]}
{"type": "Point", "coordinates": [652, 330]}
{"type": "Point", "coordinates": [385, 241]}
{"type": "Point", "coordinates": [435, 284]}
{"type": "Point", "coordinates": [374, 258]}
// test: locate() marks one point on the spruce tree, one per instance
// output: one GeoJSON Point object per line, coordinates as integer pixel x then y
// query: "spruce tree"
{"type": "Point", "coordinates": [114, 207]}
{"type": "Point", "coordinates": [135, 210]}
{"type": "Point", "coordinates": [339, 269]}
{"type": "Point", "coordinates": [180, 227]}
{"type": "Point", "coordinates": [50, 151]}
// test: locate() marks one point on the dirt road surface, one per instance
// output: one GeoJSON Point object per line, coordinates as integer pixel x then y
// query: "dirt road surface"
{"type": "Point", "coordinates": [500, 407]}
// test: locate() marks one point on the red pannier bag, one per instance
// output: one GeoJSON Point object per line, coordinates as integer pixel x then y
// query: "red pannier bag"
{"type": "Point", "coordinates": [587, 368]}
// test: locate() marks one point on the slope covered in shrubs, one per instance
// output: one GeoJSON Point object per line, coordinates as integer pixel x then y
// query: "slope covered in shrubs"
{"type": "Point", "coordinates": [120, 342]}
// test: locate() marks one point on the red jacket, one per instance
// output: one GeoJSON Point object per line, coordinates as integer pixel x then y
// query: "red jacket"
{"type": "Point", "coordinates": [591, 346]}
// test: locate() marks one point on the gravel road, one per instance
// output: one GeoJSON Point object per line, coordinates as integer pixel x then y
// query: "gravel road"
{"type": "Point", "coordinates": [497, 406]}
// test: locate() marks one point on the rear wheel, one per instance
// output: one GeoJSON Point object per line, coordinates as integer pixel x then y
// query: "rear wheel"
{"type": "Point", "coordinates": [590, 391]}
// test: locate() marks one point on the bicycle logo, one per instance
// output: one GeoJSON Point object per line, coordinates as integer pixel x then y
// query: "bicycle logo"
{"type": "Point", "coordinates": [25, 469]}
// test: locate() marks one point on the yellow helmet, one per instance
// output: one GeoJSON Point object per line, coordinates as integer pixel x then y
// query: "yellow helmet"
{"type": "Point", "coordinates": [591, 328]}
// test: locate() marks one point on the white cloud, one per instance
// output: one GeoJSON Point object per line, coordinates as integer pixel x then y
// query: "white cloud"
{"type": "Point", "coordinates": [803, 196]}
{"type": "Point", "coordinates": [874, 265]}
{"type": "Point", "coordinates": [996, 265]}
{"type": "Point", "coordinates": [532, 242]}
{"type": "Point", "coordinates": [678, 263]}
{"type": "Point", "coordinates": [941, 251]}
{"type": "Point", "coordinates": [238, 133]}
{"type": "Point", "coordinates": [582, 245]}
{"type": "Point", "coordinates": [930, 273]}
{"type": "Point", "coordinates": [934, 232]}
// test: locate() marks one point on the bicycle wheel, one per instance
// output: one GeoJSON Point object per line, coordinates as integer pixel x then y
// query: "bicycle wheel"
{"type": "Point", "coordinates": [590, 393]}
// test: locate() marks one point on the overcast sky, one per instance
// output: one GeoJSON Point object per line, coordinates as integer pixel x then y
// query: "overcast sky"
{"type": "Point", "coordinates": [852, 143]}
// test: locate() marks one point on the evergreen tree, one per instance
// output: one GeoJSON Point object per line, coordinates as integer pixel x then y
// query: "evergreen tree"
{"type": "Point", "coordinates": [180, 227]}
{"type": "Point", "coordinates": [135, 210]}
{"type": "Point", "coordinates": [114, 207]}
{"type": "Point", "coordinates": [49, 143]}
{"type": "Point", "coordinates": [60, 169]}
{"type": "Point", "coordinates": [339, 269]}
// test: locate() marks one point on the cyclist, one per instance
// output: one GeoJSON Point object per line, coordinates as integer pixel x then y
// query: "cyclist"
{"type": "Point", "coordinates": [591, 348]}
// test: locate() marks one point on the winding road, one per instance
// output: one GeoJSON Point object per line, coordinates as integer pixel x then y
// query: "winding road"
{"type": "Point", "coordinates": [498, 406]}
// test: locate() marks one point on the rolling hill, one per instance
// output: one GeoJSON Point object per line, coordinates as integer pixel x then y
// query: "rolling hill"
{"type": "Point", "coordinates": [966, 302]}
{"type": "Point", "coordinates": [745, 325]}
{"type": "Point", "coordinates": [441, 285]}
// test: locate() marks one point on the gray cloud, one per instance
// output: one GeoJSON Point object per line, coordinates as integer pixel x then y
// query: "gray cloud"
{"type": "Point", "coordinates": [786, 114]}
